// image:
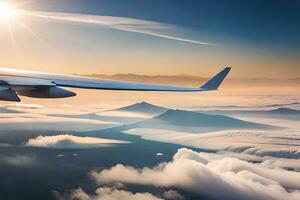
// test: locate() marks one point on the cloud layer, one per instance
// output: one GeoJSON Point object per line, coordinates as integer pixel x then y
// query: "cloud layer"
{"type": "Point", "coordinates": [281, 144]}
{"type": "Point", "coordinates": [198, 173]}
{"type": "Point", "coordinates": [37, 122]}
{"type": "Point", "coordinates": [69, 141]}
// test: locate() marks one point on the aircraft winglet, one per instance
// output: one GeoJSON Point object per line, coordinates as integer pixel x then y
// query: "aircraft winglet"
{"type": "Point", "coordinates": [215, 82]}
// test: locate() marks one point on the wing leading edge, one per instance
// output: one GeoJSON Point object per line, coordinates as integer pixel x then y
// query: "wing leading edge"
{"type": "Point", "coordinates": [46, 85]}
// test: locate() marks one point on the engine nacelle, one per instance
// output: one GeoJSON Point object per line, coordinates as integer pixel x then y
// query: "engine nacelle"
{"type": "Point", "coordinates": [50, 92]}
{"type": "Point", "coordinates": [7, 94]}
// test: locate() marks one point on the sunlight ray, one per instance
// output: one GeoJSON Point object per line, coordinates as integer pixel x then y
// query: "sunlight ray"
{"type": "Point", "coordinates": [36, 36]}
{"type": "Point", "coordinates": [11, 35]}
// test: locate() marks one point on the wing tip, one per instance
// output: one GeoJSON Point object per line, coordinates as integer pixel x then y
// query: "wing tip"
{"type": "Point", "coordinates": [215, 82]}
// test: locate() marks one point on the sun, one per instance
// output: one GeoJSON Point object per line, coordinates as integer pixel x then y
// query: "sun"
{"type": "Point", "coordinates": [7, 11]}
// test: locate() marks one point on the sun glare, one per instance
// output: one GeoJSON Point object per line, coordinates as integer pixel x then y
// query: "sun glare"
{"type": "Point", "coordinates": [7, 11]}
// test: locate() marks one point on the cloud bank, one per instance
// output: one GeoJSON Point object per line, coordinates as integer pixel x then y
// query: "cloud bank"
{"type": "Point", "coordinates": [280, 144]}
{"type": "Point", "coordinates": [150, 28]}
{"type": "Point", "coordinates": [24, 106]}
{"type": "Point", "coordinates": [70, 141]}
{"type": "Point", "coordinates": [198, 173]}
{"type": "Point", "coordinates": [38, 122]}
{"type": "Point", "coordinates": [106, 193]}
{"type": "Point", "coordinates": [115, 193]}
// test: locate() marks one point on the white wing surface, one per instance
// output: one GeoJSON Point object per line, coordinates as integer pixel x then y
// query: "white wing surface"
{"type": "Point", "coordinates": [47, 85]}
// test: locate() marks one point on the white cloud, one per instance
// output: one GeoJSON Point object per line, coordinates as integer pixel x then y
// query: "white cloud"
{"type": "Point", "coordinates": [281, 144]}
{"type": "Point", "coordinates": [155, 29]}
{"type": "Point", "coordinates": [24, 106]}
{"type": "Point", "coordinates": [230, 178]}
{"type": "Point", "coordinates": [105, 193]}
{"type": "Point", "coordinates": [282, 163]}
{"type": "Point", "coordinates": [5, 145]}
{"type": "Point", "coordinates": [70, 141]}
{"type": "Point", "coordinates": [37, 122]}
{"type": "Point", "coordinates": [18, 160]}
{"type": "Point", "coordinates": [66, 106]}
{"type": "Point", "coordinates": [115, 113]}
{"type": "Point", "coordinates": [172, 195]}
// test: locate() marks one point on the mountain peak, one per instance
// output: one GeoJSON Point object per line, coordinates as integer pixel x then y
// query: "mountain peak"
{"type": "Point", "coordinates": [143, 107]}
{"type": "Point", "coordinates": [284, 110]}
{"type": "Point", "coordinates": [196, 122]}
{"type": "Point", "coordinates": [144, 103]}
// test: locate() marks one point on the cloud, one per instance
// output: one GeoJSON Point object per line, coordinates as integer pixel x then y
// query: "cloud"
{"type": "Point", "coordinates": [18, 160]}
{"type": "Point", "coordinates": [66, 106]}
{"type": "Point", "coordinates": [115, 113]}
{"type": "Point", "coordinates": [151, 28]}
{"type": "Point", "coordinates": [105, 193]}
{"type": "Point", "coordinates": [70, 141]}
{"type": "Point", "coordinates": [172, 195]}
{"type": "Point", "coordinates": [198, 173]}
{"type": "Point", "coordinates": [36, 122]}
{"type": "Point", "coordinates": [24, 106]}
{"type": "Point", "coordinates": [5, 145]}
{"type": "Point", "coordinates": [284, 163]}
{"type": "Point", "coordinates": [280, 144]}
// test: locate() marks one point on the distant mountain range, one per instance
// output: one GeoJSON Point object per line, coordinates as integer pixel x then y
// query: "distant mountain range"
{"type": "Point", "coordinates": [170, 119]}
{"type": "Point", "coordinates": [282, 112]}
{"type": "Point", "coordinates": [288, 111]}
{"type": "Point", "coordinates": [147, 110]}
{"type": "Point", "coordinates": [185, 80]}
{"type": "Point", "coordinates": [98, 116]}
{"type": "Point", "coordinates": [181, 120]}
{"type": "Point", "coordinates": [245, 108]}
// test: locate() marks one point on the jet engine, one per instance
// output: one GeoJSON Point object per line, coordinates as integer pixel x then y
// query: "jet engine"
{"type": "Point", "coordinates": [49, 92]}
{"type": "Point", "coordinates": [7, 94]}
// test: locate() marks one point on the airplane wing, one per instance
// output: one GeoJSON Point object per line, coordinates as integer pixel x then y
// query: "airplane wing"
{"type": "Point", "coordinates": [46, 85]}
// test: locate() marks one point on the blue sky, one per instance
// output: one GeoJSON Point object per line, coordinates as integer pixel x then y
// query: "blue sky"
{"type": "Point", "coordinates": [269, 23]}
{"type": "Point", "coordinates": [259, 38]}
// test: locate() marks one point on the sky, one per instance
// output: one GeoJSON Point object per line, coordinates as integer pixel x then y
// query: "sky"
{"type": "Point", "coordinates": [243, 140]}
{"type": "Point", "coordinates": [165, 37]}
